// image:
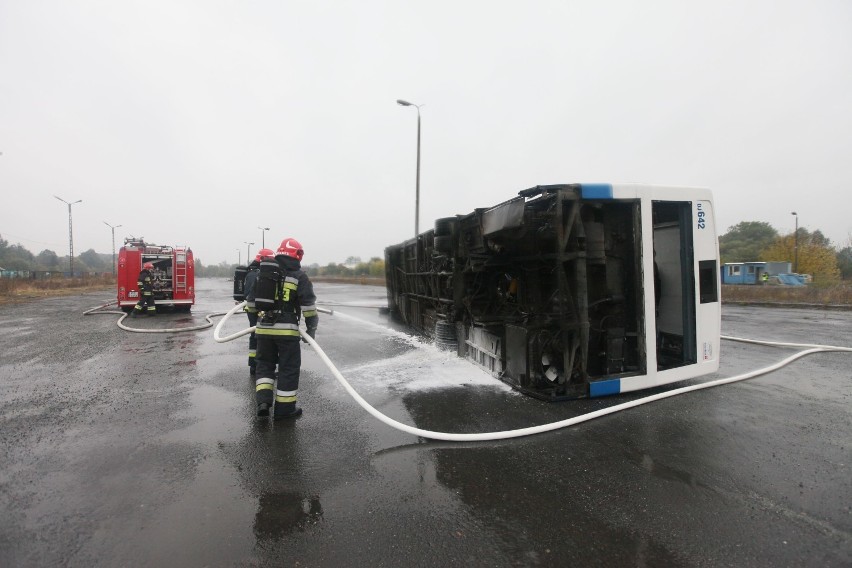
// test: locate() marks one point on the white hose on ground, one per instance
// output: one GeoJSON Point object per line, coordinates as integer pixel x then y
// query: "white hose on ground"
{"type": "Point", "coordinates": [506, 434]}
{"type": "Point", "coordinates": [96, 310]}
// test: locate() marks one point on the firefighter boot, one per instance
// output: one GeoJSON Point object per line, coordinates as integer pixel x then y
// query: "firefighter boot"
{"type": "Point", "coordinates": [263, 396]}
{"type": "Point", "coordinates": [285, 410]}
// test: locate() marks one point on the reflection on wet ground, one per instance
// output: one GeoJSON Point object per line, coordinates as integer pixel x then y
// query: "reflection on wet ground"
{"type": "Point", "coordinates": [280, 514]}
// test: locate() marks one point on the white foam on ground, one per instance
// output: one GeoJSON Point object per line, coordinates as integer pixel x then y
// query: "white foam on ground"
{"type": "Point", "coordinates": [423, 368]}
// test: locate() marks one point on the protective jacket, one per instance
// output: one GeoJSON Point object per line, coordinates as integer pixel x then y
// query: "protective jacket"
{"type": "Point", "coordinates": [297, 299]}
{"type": "Point", "coordinates": [145, 281]}
{"type": "Point", "coordinates": [251, 279]}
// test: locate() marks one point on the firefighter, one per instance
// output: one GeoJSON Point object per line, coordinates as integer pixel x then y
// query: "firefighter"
{"type": "Point", "coordinates": [251, 311]}
{"type": "Point", "coordinates": [278, 335]}
{"type": "Point", "coordinates": [145, 283]}
{"type": "Point", "coordinates": [765, 278]}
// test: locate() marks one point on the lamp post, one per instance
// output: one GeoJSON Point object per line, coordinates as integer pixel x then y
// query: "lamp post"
{"type": "Point", "coordinates": [70, 233]}
{"type": "Point", "coordinates": [796, 244]}
{"type": "Point", "coordinates": [239, 256]}
{"type": "Point", "coordinates": [417, 190]}
{"type": "Point", "coordinates": [263, 236]}
{"type": "Point", "coordinates": [113, 227]}
{"type": "Point", "coordinates": [248, 251]}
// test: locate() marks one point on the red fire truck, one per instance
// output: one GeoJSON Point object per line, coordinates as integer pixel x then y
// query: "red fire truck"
{"type": "Point", "coordinates": [174, 274]}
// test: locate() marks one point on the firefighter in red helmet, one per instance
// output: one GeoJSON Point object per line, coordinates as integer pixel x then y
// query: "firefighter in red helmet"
{"type": "Point", "coordinates": [250, 309]}
{"type": "Point", "coordinates": [145, 282]}
{"type": "Point", "coordinates": [278, 333]}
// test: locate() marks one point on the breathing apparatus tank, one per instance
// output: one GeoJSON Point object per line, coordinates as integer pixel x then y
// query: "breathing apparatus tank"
{"type": "Point", "coordinates": [240, 283]}
{"type": "Point", "coordinates": [268, 285]}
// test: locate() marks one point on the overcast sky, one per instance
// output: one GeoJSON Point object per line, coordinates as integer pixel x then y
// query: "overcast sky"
{"type": "Point", "coordinates": [194, 122]}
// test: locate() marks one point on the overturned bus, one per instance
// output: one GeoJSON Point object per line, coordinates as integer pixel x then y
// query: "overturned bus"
{"type": "Point", "coordinates": [570, 291]}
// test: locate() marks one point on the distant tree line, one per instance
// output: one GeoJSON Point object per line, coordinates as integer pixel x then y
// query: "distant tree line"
{"type": "Point", "coordinates": [352, 267]}
{"type": "Point", "coordinates": [751, 241]}
{"type": "Point", "coordinates": [16, 257]}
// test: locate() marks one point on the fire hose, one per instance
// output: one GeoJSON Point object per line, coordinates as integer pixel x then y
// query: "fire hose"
{"type": "Point", "coordinates": [100, 310]}
{"type": "Point", "coordinates": [808, 349]}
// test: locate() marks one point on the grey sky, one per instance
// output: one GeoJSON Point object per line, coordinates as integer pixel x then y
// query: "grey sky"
{"type": "Point", "coordinates": [192, 123]}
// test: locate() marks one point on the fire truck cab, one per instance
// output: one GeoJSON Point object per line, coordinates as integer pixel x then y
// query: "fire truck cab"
{"type": "Point", "coordinates": [174, 274]}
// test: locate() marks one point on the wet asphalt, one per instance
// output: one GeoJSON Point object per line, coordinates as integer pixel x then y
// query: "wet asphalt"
{"type": "Point", "coordinates": [122, 449]}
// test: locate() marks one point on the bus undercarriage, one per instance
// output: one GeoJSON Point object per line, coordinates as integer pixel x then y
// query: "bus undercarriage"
{"type": "Point", "coordinates": [546, 290]}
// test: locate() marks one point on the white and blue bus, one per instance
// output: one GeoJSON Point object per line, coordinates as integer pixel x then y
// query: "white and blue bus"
{"type": "Point", "coordinates": [570, 290]}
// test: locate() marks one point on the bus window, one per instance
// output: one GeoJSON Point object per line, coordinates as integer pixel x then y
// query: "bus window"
{"type": "Point", "coordinates": [707, 281]}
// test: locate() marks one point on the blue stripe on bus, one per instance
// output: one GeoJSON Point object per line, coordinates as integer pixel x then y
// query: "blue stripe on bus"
{"type": "Point", "coordinates": [604, 388]}
{"type": "Point", "coordinates": [596, 190]}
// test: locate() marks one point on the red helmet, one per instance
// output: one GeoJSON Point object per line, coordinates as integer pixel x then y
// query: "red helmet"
{"type": "Point", "coordinates": [148, 266]}
{"type": "Point", "coordinates": [264, 253]}
{"type": "Point", "coordinates": [291, 248]}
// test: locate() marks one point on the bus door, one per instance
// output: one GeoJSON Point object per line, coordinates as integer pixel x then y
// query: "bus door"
{"type": "Point", "coordinates": [675, 283]}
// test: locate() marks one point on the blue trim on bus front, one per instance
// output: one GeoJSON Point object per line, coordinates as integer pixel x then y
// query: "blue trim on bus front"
{"type": "Point", "coordinates": [596, 190]}
{"type": "Point", "coordinates": [604, 388]}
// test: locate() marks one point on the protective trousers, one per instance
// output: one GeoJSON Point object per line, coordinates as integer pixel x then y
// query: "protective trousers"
{"type": "Point", "coordinates": [287, 353]}
{"type": "Point", "coordinates": [146, 302]}
{"type": "Point", "coordinates": [252, 354]}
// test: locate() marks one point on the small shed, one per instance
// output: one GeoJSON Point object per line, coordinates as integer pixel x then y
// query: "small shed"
{"type": "Point", "coordinates": [751, 272]}
{"type": "Point", "coordinates": [742, 272]}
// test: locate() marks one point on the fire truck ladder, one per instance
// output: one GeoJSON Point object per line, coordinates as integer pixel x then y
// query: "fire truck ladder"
{"type": "Point", "coordinates": [180, 271]}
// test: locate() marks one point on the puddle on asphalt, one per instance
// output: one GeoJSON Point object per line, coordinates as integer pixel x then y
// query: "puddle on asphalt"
{"type": "Point", "coordinates": [218, 417]}
{"type": "Point", "coordinates": [212, 505]}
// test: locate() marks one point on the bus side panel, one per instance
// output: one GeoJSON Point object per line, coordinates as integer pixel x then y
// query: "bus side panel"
{"type": "Point", "coordinates": [709, 302]}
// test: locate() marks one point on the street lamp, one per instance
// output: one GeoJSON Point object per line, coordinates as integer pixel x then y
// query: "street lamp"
{"type": "Point", "coordinates": [417, 194]}
{"type": "Point", "coordinates": [113, 227]}
{"type": "Point", "coordinates": [70, 233]}
{"type": "Point", "coordinates": [239, 256]}
{"type": "Point", "coordinates": [263, 236]}
{"type": "Point", "coordinates": [796, 244]}
{"type": "Point", "coordinates": [248, 251]}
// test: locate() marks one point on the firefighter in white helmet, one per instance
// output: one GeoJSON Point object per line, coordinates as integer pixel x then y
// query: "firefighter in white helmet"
{"type": "Point", "coordinates": [278, 329]}
{"type": "Point", "coordinates": [250, 309]}
{"type": "Point", "coordinates": [145, 282]}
